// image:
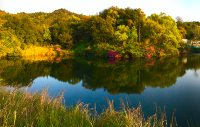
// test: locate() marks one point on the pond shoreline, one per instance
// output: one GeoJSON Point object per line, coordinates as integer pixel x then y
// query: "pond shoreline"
{"type": "Point", "coordinates": [50, 52]}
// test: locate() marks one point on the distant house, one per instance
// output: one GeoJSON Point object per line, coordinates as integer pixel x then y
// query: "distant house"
{"type": "Point", "coordinates": [184, 41]}
{"type": "Point", "coordinates": [195, 42]}
{"type": "Point", "coordinates": [191, 42]}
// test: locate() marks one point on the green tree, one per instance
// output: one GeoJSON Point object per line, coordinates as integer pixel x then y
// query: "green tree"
{"type": "Point", "coordinates": [2, 20]}
{"type": "Point", "coordinates": [192, 30]}
{"type": "Point", "coordinates": [61, 34]}
{"type": "Point", "coordinates": [25, 29]}
{"type": "Point", "coordinates": [9, 44]}
{"type": "Point", "coordinates": [163, 32]}
{"type": "Point", "coordinates": [46, 34]}
{"type": "Point", "coordinates": [123, 35]}
{"type": "Point", "coordinates": [128, 17]}
{"type": "Point", "coordinates": [100, 29]}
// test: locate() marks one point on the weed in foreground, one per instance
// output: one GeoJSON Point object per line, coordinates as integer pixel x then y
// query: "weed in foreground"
{"type": "Point", "coordinates": [20, 108]}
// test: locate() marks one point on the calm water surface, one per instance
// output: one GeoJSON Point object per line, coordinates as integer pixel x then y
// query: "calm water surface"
{"type": "Point", "coordinates": [172, 82]}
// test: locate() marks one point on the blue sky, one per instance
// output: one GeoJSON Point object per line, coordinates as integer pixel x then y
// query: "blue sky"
{"type": "Point", "coordinates": [187, 9]}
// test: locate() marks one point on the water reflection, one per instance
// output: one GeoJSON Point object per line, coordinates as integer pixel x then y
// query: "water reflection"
{"type": "Point", "coordinates": [124, 76]}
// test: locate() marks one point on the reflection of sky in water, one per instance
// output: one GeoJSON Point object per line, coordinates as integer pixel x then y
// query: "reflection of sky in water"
{"type": "Point", "coordinates": [184, 96]}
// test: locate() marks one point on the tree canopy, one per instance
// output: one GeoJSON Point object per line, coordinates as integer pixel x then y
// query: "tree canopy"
{"type": "Point", "coordinates": [128, 32]}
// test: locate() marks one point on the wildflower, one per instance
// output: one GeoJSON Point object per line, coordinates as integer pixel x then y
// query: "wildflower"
{"type": "Point", "coordinates": [147, 48]}
{"type": "Point", "coordinates": [147, 56]}
{"type": "Point", "coordinates": [112, 53]}
{"type": "Point", "coordinates": [150, 63]}
{"type": "Point", "coordinates": [152, 48]}
{"type": "Point", "coordinates": [119, 58]}
{"type": "Point", "coordinates": [58, 49]}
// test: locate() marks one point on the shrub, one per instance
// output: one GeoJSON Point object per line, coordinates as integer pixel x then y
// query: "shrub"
{"type": "Point", "coordinates": [56, 47]}
{"type": "Point", "coordinates": [150, 51]}
{"type": "Point", "coordinates": [80, 49]}
{"type": "Point", "coordinates": [101, 49]}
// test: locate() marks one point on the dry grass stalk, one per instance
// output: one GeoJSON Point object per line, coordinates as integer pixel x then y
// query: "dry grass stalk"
{"type": "Point", "coordinates": [18, 107]}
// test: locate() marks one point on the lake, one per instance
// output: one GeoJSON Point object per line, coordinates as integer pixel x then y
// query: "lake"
{"type": "Point", "coordinates": [172, 82]}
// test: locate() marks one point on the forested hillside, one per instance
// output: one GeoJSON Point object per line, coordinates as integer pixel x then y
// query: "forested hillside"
{"type": "Point", "coordinates": [114, 32]}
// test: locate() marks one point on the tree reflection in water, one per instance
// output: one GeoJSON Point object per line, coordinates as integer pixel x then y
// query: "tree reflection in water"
{"type": "Point", "coordinates": [116, 76]}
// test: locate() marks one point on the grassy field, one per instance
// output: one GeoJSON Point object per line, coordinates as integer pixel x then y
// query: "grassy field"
{"type": "Point", "coordinates": [19, 108]}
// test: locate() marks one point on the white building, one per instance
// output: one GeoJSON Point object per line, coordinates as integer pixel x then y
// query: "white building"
{"type": "Point", "coordinates": [185, 41]}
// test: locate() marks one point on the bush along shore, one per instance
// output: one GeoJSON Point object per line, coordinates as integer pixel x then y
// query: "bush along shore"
{"type": "Point", "coordinates": [106, 51]}
{"type": "Point", "coordinates": [21, 108]}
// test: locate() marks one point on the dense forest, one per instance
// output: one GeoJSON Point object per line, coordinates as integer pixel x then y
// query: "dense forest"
{"type": "Point", "coordinates": [114, 32]}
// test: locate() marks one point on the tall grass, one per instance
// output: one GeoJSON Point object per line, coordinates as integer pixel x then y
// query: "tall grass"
{"type": "Point", "coordinates": [20, 108]}
{"type": "Point", "coordinates": [39, 51]}
{"type": "Point", "coordinates": [44, 51]}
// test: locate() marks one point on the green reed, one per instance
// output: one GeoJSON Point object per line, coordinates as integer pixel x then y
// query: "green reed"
{"type": "Point", "coordinates": [19, 108]}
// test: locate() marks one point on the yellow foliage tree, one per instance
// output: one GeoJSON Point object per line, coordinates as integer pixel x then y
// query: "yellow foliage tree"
{"type": "Point", "coordinates": [163, 33]}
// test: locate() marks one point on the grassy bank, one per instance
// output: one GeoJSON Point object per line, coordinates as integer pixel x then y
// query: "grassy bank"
{"type": "Point", "coordinates": [22, 108]}
{"type": "Point", "coordinates": [102, 51]}
{"type": "Point", "coordinates": [39, 51]}
{"type": "Point", "coordinates": [45, 51]}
